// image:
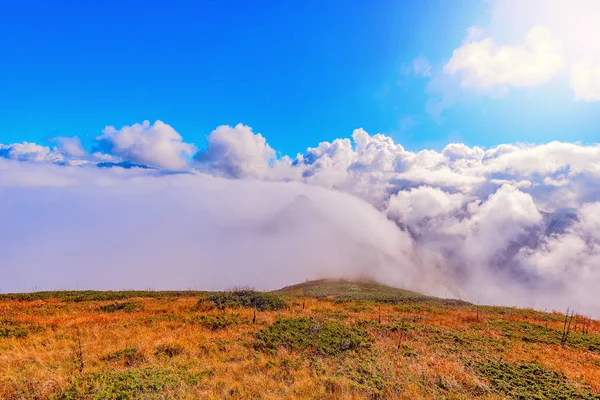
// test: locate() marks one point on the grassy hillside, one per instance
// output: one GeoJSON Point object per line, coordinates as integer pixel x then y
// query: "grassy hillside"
{"type": "Point", "coordinates": [345, 290]}
{"type": "Point", "coordinates": [316, 340]}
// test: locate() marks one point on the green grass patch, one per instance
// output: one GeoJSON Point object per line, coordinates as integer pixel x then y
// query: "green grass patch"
{"type": "Point", "coordinates": [522, 312]}
{"type": "Point", "coordinates": [11, 329]}
{"type": "Point", "coordinates": [365, 375]}
{"type": "Point", "coordinates": [527, 332]}
{"type": "Point", "coordinates": [535, 333]}
{"type": "Point", "coordinates": [323, 337]}
{"type": "Point", "coordinates": [530, 381]}
{"type": "Point", "coordinates": [126, 306]}
{"type": "Point", "coordinates": [147, 383]}
{"type": "Point", "coordinates": [129, 356]}
{"type": "Point", "coordinates": [168, 350]}
{"type": "Point", "coordinates": [246, 298]}
{"type": "Point", "coordinates": [216, 322]}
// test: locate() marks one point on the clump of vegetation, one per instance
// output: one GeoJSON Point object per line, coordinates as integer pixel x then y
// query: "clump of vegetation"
{"type": "Point", "coordinates": [126, 306]}
{"type": "Point", "coordinates": [246, 298]}
{"type": "Point", "coordinates": [11, 329]}
{"type": "Point", "coordinates": [203, 305]}
{"type": "Point", "coordinates": [537, 333]}
{"type": "Point", "coordinates": [522, 312]}
{"type": "Point", "coordinates": [530, 381]}
{"type": "Point", "coordinates": [168, 350]}
{"type": "Point", "coordinates": [364, 374]}
{"type": "Point", "coordinates": [216, 322]}
{"type": "Point", "coordinates": [527, 332]}
{"type": "Point", "coordinates": [147, 383]}
{"type": "Point", "coordinates": [324, 337]}
{"type": "Point", "coordinates": [129, 356]}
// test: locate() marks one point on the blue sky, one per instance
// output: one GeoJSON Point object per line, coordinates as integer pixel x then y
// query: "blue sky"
{"type": "Point", "coordinates": [297, 72]}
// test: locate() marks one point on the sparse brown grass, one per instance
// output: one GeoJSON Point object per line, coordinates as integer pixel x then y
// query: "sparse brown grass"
{"type": "Point", "coordinates": [418, 351]}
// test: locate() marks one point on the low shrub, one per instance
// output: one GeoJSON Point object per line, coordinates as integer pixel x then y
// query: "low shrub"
{"type": "Point", "coordinates": [203, 306]}
{"type": "Point", "coordinates": [169, 350]}
{"type": "Point", "coordinates": [535, 333]}
{"type": "Point", "coordinates": [530, 381]}
{"type": "Point", "coordinates": [11, 329]}
{"type": "Point", "coordinates": [129, 356]}
{"type": "Point", "coordinates": [246, 298]}
{"type": "Point", "coordinates": [127, 306]}
{"type": "Point", "coordinates": [324, 337]}
{"type": "Point", "coordinates": [147, 383]}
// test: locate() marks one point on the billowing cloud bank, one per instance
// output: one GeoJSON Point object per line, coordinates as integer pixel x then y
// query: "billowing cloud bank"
{"type": "Point", "coordinates": [514, 224]}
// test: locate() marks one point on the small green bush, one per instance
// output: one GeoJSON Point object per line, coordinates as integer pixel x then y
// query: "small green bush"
{"type": "Point", "coordinates": [324, 337]}
{"type": "Point", "coordinates": [246, 298]}
{"type": "Point", "coordinates": [535, 333]}
{"type": "Point", "coordinates": [11, 329]}
{"type": "Point", "coordinates": [215, 322]}
{"type": "Point", "coordinates": [148, 383]}
{"type": "Point", "coordinates": [366, 377]}
{"type": "Point", "coordinates": [127, 306]}
{"type": "Point", "coordinates": [169, 350]}
{"type": "Point", "coordinates": [530, 381]}
{"type": "Point", "coordinates": [130, 356]}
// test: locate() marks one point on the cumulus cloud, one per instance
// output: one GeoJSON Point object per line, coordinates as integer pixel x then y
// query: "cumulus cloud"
{"type": "Point", "coordinates": [27, 151]}
{"type": "Point", "coordinates": [236, 152]}
{"type": "Point", "coordinates": [486, 65]}
{"type": "Point", "coordinates": [416, 206]}
{"type": "Point", "coordinates": [526, 44]}
{"type": "Point", "coordinates": [512, 224]}
{"type": "Point", "coordinates": [585, 81]}
{"type": "Point", "coordinates": [157, 145]}
{"type": "Point", "coordinates": [71, 146]}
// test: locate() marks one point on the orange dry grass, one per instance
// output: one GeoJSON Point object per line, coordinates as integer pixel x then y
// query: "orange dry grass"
{"type": "Point", "coordinates": [411, 366]}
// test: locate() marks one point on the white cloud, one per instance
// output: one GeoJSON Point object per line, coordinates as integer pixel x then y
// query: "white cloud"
{"type": "Point", "coordinates": [524, 44]}
{"type": "Point", "coordinates": [585, 81]}
{"type": "Point", "coordinates": [71, 146]}
{"type": "Point", "coordinates": [498, 223]}
{"type": "Point", "coordinates": [414, 206]}
{"type": "Point", "coordinates": [237, 152]}
{"type": "Point", "coordinates": [27, 151]}
{"type": "Point", "coordinates": [157, 145]}
{"type": "Point", "coordinates": [485, 65]}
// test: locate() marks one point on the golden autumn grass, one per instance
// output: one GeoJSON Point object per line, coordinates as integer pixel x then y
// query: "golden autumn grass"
{"type": "Point", "coordinates": [172, 346]}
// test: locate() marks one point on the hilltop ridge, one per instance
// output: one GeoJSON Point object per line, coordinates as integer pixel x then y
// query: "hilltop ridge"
{"type": "Point", "coordinates": [340, 289]}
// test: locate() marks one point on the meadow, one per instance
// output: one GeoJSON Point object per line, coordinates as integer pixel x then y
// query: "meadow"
{"type": "Point", "coordinates": [317, 340]}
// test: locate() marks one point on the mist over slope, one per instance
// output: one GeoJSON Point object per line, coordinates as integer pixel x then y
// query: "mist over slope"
{"type": "Point", "coordinates": [186, 230]}
{"type": "Point", "coordinates": [514, 224]}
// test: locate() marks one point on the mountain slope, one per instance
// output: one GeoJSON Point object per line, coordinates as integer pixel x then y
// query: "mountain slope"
{"type": "Point", "coordinates": [342, 290]}
{"type": "Point", "coordinates": [190, 345]}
